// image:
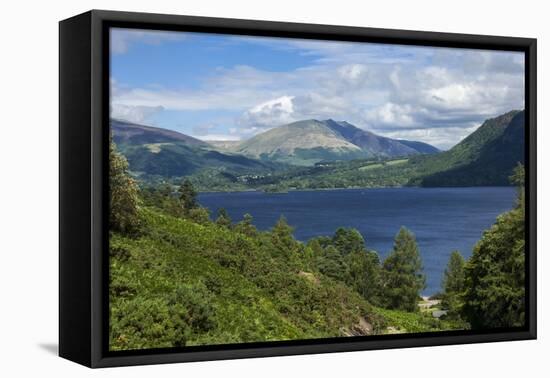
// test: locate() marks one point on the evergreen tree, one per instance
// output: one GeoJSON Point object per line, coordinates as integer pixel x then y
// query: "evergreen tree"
{"type": "Point", "coordinates": [123, 190]}
{"type": "Point", "coordinates": [331, 263]}
{"type": "Point", "coordinates": [282, 234]}
{"type": "Point", "coordinates": [453, 283]}
{"type": "Point", "coordinates": [223, 218]}
{"type": "Point", "coordinates": [402, 273]}
{"type": "Point", "coordinates": [495, 274]}
{"type": "Point", "coordinates": [364, 274]}
{"type": "Point", "coordinates": [348, 240]}
{"type": "Point", "coordinates": [188, 196]}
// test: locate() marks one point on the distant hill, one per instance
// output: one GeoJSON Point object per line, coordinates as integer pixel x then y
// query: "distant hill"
{"type": "Point", "coordinates": [486, 157]}
{"type": "Point", "coordinates": [310, 141]}
{"type": "Point", "coordinates": [133, 134]}
{"type": "Point", "coordinates": [159, 152]}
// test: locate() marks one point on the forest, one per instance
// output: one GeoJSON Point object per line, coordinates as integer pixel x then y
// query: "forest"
{"type": "Point", "coordinates": [180, 276]}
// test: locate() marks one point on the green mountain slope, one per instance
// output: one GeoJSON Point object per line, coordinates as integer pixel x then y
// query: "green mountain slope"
{"type": "Point", "coordinates": [154, 151]}
{"type": "Point", "coordinates": [204, 284]}
{"type": "Point", "coordinates": [486, 157]}
{"type": "Point", "coordinates": [310, 141]}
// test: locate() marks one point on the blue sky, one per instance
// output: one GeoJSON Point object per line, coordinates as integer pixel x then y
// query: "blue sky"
{"type": "Point", "coordinates": [219, 87]}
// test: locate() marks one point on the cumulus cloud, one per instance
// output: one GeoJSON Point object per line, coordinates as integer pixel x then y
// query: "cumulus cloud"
{"type": "Point", "coordinates": [270, 113]}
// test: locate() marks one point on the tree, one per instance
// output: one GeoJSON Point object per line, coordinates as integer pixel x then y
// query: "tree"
{"type": "Point", "coordinates": [348, 240]}
{"type": "Point", "coordinates": [331, 263]}
{"type": "Point", "coordinates": [223, 218]}
{"type": "Point", "coordinates": [518, 178]}
{"type": "Point", "coordinates": [495, 274]}
{"type": "Point", "coordinates": [402, 273]}
{"type": "Point", "coordinates": [188, 196]}
{"type": "Point", "coordinates": [453, 283]}
{"type": "Point", "coordinates": [123, 190]}
{"type": "Point", "coordinates": [246, 226]}
{"type": "Point", "coordinates": [364, 274]}
{"type": "Point", "coordinates": [281, 235]}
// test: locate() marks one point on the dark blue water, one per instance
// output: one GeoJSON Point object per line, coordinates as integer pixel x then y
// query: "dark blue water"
{"type": "Point", "coordinates": [443, 219]}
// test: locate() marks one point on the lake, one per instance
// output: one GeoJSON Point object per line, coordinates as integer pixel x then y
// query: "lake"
{"type": "Point", "coordinates": [443, 219]}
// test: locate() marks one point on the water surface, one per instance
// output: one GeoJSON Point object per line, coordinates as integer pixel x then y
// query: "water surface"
{"type": "Point", "coordinates": [443, 219]}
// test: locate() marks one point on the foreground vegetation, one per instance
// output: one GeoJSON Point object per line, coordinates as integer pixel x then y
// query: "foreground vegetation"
{"type": "Point", "coordinates": [179, 278]}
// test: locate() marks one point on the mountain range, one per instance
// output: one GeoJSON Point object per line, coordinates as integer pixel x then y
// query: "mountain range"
{"type": "Point", "coordinates": [158, 151]}
{"type": "Point", "coordinates": [289, 153]}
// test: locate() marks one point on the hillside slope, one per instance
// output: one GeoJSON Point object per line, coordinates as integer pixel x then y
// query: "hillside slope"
{"type": "Point", "coordinates": [154, 151]}
{"type": "Point", "coordinates": [205, 284]}
{"type": "Point", "coordinates": [486, 157]}
{"type": "Point", "coordinates": [127, 133]}
{"type": "Point", "coordinates": [181, 283]}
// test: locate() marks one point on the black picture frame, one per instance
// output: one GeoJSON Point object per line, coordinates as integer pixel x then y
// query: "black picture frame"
{"type": "Point", "coordinates": [83, 205]}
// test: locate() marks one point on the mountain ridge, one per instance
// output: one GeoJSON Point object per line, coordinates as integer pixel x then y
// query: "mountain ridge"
{"type": "Point", "coordinates": [310, 141]}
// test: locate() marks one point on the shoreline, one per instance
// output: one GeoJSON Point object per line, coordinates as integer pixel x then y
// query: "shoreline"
{"type": "Point", "coordinates": [351, 188]}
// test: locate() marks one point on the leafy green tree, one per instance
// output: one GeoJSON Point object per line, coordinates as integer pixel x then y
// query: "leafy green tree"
{"type": "Point", "coordinates": [402, 273]}
{"type": "Point", "coordinates": [284, 243]}
{"type": "Point", "coordinates": [200, 215]}
{"type": "Point", "coordinates": [246, 226]}
{"type": "Point", "coordinates": [348, 240]}
{"type": "Point", "coordinates": [187, 196]}
{"type": "Point", "coordinates": [518, 178]}
{"type": "Point", "coordinates": [495, 274]}
{"type": "Point", "coordinates": [223, 218]}
{"type": "Point", "coordinates": [453, 283]}
{"type": "Point", "coordinates": [123, 190]}
{"type": "Point", "coordinates": [282, 233]}
{"type": "Point", "coordinates": [331, 263]}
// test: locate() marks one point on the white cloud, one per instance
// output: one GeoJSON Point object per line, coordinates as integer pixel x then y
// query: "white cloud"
{"type": "Point", "coordinates": [270, 113]}
{"type": "Point", "coordinates": [397, 91]}
{"type": "Point", "coordinates": [134, 113]}
{"type": "Point", "coordinates": [122, 39]}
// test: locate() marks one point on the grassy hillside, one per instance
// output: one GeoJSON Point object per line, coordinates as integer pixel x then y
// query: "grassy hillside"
{"type": "Point", "coordinates": [183, 283]}
{"type": "Point", "coordinates": [203, 284]}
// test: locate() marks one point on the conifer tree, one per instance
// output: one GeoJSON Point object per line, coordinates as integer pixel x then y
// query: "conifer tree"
{"type": "Point", "coordinates": [402, 273]}
{"type": "Point", "coordinates": [188, 196]}
{"type": "Point", "coordinates": [453, 283]}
